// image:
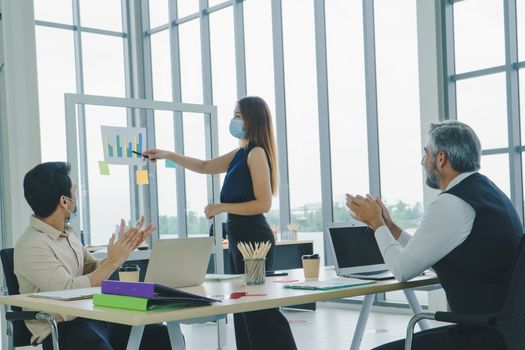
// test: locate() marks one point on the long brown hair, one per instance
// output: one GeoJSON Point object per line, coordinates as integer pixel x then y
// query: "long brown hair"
{"type": "Point", "coordinates": [258, 128]}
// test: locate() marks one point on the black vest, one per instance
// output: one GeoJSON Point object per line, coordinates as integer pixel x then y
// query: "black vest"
{"type": "Point", "coordinates": [473, 274]}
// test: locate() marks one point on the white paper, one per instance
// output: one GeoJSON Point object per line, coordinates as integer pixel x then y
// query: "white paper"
{"type": "Point", "coordinates": [118, 142]}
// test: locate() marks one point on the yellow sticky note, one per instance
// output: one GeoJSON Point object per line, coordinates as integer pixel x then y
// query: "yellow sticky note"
{"type": "Point", "coordinates": [103, 167]}
{"type": "Point", "coordinates": [142, 177]}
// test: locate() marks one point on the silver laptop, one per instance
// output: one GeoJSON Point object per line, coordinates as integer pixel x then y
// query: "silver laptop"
{"type": "Point", "coordinates": [355, 252]}
{"type": "Point", "coordinates": [180, 262]}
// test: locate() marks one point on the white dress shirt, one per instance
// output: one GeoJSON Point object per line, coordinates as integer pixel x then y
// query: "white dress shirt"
{"type": "Point", "coordinates": [446, 224]}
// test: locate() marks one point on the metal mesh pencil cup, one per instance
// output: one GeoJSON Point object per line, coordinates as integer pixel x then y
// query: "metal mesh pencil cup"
{"type": "Point", "coordinates": [254, 271]}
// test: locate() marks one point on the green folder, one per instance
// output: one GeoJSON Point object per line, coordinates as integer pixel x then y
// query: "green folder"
{"type": "Point", "coordinates": [139, 304]}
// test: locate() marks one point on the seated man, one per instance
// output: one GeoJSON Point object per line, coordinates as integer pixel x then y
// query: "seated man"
{"type": "Point", "coordinates": [469, 235]}
{"type": "Point", "coordinates": [49, 257]}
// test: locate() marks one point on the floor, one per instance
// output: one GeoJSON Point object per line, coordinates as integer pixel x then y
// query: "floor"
{"type": "Point", "coordinates": [330, 327]}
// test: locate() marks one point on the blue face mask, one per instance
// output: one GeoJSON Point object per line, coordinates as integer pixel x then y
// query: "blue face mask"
{"type": "Point", "coordinates": [236, 128]}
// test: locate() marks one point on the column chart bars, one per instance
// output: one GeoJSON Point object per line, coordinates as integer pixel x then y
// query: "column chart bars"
{"type": "Point", "coordinates": [119, 144]}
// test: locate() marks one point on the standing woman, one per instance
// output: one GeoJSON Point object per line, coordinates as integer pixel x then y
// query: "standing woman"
{"type": "Point", "coordinates": [251, 180]}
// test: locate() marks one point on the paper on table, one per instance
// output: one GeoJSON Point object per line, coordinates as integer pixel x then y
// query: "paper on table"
{"type": "Point", "coordinates": [67, 295]}
{"type": "Point", "coordinates": [142, 177]}
{"type": "Point", "coordinates": [221, 277]}
{"type": "Point", "coordinates": [333, 283]}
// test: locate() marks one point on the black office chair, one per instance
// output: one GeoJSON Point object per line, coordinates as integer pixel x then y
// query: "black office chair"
{"type": "Point", "coordinates": [18, 334]}
{"type": "Point", "coordinates": [509, 322]}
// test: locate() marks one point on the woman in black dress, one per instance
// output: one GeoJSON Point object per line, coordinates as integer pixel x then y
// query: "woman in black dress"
{"type": "Point", "coordinates": [251, 180]}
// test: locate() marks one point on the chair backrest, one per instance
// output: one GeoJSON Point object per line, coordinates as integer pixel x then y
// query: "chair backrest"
{"type": "Point", "coordinates": [511, 318]}
{"type": "Point", "coordinates": [21, 335]}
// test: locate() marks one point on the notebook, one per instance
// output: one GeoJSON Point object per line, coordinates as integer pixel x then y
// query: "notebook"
{"type": "Point", "coordinates": [67, 295]}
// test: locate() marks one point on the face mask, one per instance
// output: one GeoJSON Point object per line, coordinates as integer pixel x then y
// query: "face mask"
{"type": "Point", "coordinates": [72, 214]}
{"type": "Point", "coordinates": [236, 128]}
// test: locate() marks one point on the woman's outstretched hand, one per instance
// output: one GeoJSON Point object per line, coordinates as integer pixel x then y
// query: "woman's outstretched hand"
{"type": "Point", "coordinates": [153, 154]}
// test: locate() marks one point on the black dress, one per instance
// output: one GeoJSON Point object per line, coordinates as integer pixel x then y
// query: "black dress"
{"type": "Point", "coordinates": [265, 329]}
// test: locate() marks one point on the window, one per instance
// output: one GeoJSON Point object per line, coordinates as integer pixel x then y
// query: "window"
{"type": "Point", "coordinates": [166, 178]}
{"type": "Point", "coordinates": [56, 75]}
{"type": "Point", "coordinates": [478, 34]}
{"type": "Point", "coordinates": [103, 65]}
{"type": "Point", "coordinates": [398, 109]}
{"type": "Point", "coordinates": [482, 104]}
{"type": "Point", "coordinates": [301, 115]}
{"type": "Point", "coordinates": [109, 196]}
{"type": "Point", "coordinates": [58, 11]}
{"type": "Point", "coordinates": [101, 14]}
{"type": "Point", "coordinates": [223, 74]}
{"type": "Point", "coordinates": [259, 67]}
{"type": "Point", "coordinates": [190, 62]}
{"type": "Point", "coordinates": [187, 7]}
{"type": "Point", "coordinates": [161, 66]}
{"type": "Point", "coordinates": [158, 13]}
{"type": "Point", "coordinates": [346, 79]}
{"type": "Point", "coordinates": [196, 184]}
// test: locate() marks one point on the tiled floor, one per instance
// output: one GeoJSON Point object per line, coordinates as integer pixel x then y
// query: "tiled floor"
{"type": "Point", "coordinates": [330, 327]}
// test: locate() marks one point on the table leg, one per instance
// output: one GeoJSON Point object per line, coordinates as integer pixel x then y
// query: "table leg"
{"type": "Point", "coordinates": [176, 338]}
{"type": "Point", "coordinates": [135, 336]}
{"type": "Point", "coordinates": [416, 308]}
{"type": "Point", "coordinates": [361, 321]}
{"type": "Point", "coordinates": [221, 333]}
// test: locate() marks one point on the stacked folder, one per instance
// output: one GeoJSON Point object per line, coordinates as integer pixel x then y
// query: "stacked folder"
{"type": "Point", "coordinates": [143, 296]}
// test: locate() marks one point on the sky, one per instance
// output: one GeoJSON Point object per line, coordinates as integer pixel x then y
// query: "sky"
{"type": "Point", "coordinates": [481, 101]}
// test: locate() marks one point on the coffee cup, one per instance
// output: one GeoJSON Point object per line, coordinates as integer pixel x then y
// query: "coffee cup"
{"type": "Point", "coordinates": [311, 266]}
{"type": "Point", "coordinates": [129, 273]}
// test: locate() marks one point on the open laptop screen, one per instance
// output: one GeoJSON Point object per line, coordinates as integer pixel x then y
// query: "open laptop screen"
{"type": "Point", "coordinates": [355, 246]}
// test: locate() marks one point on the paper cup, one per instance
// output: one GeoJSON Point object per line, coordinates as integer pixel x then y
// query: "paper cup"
{"type": "Point", "coordinates": [311, 268]}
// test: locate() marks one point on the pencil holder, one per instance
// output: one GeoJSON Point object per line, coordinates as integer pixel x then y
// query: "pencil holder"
{"type": "Point", "coordinates": [254, 271]}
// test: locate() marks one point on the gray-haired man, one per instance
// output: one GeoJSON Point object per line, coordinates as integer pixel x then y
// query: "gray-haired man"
{"type": "Point", "coordinates": [468, 235]}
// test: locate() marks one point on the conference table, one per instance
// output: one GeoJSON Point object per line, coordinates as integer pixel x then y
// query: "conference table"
{"type": "Point", "coordinates": [269, 295]}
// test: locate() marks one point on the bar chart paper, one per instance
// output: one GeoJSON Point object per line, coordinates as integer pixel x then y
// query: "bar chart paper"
{"type": "Point", "coordinates": [119, 142]}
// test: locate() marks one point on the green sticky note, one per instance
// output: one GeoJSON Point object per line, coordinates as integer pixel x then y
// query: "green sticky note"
{"type": "Point", "coordinates": [103, 167]}
{"type": "Point", "coordinates": [170, 164]}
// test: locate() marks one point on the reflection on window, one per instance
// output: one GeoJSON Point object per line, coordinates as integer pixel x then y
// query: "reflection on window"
{"type": "Point", "coordinates": [166, 177]}
{"type": "Point", "coordinates": [109, 196]}
{"type": "Point", "coordinates": [259, 66]}
{"type": "Point", "coordinates": [101, 14]}
{"type": "Point", "coordinates": [223, 73]}
{"type": "Point", "coordinates": [196, 184]}
{"type": "Point", "coordinates": [190, 62]}
{"type": "Point", "coordinates": [103, 65]}
{"type": "Point", "coordinates": [344, 26]}
{"type": "Point", "coordinates": [301, 114]}
{"type": "Point", "coordinates": [58, 11]}
{"type": "Point", "coordinates": [161, 66]}
{"type": "Point", "coordinates": [482, 104]}
{"type": "Point", "coordinates": [56, 75]}
{"type": "Point", "coordinates": [398, 105]}
{"type": "Point", "coordinates": [478, 34]}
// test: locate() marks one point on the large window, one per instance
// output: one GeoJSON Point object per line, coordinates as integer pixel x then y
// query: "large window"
{"type": "Point", "coordinates": [301, 115]}
{"type": "Point", "coordinates": [71, 59]}
{"type": "Point", "coordinates": [346, 79]}
{"type": "Point", "coordinates": [488, 43]}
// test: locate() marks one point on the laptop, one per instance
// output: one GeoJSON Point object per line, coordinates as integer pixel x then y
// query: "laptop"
{"type": "Point", "coordinates": [356, 253]}
{"type": "Point", "coordinates": [179, 262]}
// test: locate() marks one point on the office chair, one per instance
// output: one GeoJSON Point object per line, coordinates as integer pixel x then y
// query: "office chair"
{"type": "Point", "coordinates": [509, 322]}
{"type": "Point", "coordinates": [17, 333]}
